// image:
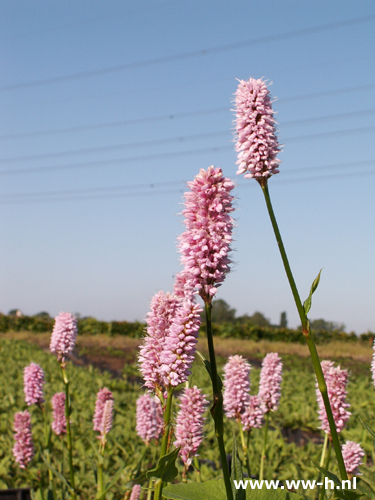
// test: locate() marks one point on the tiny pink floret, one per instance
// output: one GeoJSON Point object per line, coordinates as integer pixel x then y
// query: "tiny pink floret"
{"type": "Point", "coordinates": [257, 145]}
{"type": "Point", "coordinates": [270, 381]}
{"type": "Point", "coordinates": [23, 449]}
{"type": "Point", "coordinates": [64, 334]}
{"type": "Point", "coordinates": [33, 380]}
{"type": "Point", "coordinates": [236, 386]}
{"type": "Point", "coordinates": [149, 418]}
{"type": "Point", "coordinates": [353, 455]}
{"type": "Point", "coordinates": [205, 245]}
{"type": "Point", "coordinates": [189, 423]}
{"type": "Point", "coordinates": [58, 414]}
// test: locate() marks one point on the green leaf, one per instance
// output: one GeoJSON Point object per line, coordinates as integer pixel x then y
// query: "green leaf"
{"type": "Point", "coordinates": [95, 448]}
{"type": "Point", "coordinates": [57, 474]}
{"type": "Point", "coordinates": [209, 490]}
{"type": "Point", "coordinates": [367, 427]}
{"type": "Point", "coordinates": [237, 474]}
{"type": "Point", "coordinates": [339, 493]}
{"type": "Point", "coordinates": [207, 365]}
{"type": "Point", "coordinates": [166, 469]}
{"type": "Point", "coordinates": [314, 286]}
{"type": "Point", "coordinates": [110, 485]}
{"type": "Point", "coordinates": [329, 474]}
{"type": "Point", "coordinates": [215, 490]}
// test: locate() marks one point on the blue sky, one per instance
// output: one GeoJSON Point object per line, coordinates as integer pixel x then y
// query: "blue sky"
{"type": "Point", "coordinates": [108, 108]}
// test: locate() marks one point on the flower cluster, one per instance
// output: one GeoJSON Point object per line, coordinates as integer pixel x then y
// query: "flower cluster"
{"type": "Point", "coordinates": [33, 381]}
{"type": "Point", "coordinates": [270, 381]}
{"type": "Point", "coordinates": [136, 492]}
{"type": "Point", "coordinates": [159, 319]}
{"type": "Point", "coordinates": [103, 411]}
{"type": "Point", "coordinates": [352, 453]}
{"type": "Point", "coordinates": [236, 386]}
{"type": "Point", "coordinates": [205, 244]}
{"type": "Point", "coordinates": [58, 414]}
{"type": "Point", "coordinates": [189, 423]}
{"type": "Point", "coordinates": [257, 144]}
{"type": "Point", "coordinates": [23, 449]}
{"type": "Point", "coordinates": [336, 380]}
{"type": "Point", "coordinates": [373, 364]}
{"type": "Point", "coordinates": [252, 418]}
{"type": "Point", "coordinates": [64, 334]}
{"type": "Point", "coordinates": [180, 345]}
{"type": "Point", "coordinates": [149, 418]}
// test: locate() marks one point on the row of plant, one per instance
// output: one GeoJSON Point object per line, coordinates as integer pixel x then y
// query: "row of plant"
{"type": "Point", "coordinates": [238, 330]}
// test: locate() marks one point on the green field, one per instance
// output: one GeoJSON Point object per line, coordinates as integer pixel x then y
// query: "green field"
{"type": "Point", "coordinates": [294, 440]}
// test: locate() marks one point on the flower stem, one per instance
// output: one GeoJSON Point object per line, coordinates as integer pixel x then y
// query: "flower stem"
{"type": "Point", "coordinates": [164, 443]}
{"type": "Point", "coordinates": [217, 407]}
{"type": "Point", "coordinates": [322, 459]}
{"type": "Point", "coordinates": [245, 448]}
{"type": "Point", "coordinates": [68, 431]}
{"type": "Point", "coordinates": [263, 456]}
{"type": "Point", "coordinates": [48, 449]}
{"type": "Point", "coordinates": [309, 338]}
{"type": "Point", "coordinates": [326, 465]}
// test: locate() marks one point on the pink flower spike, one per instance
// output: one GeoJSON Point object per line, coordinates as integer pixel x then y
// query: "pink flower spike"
{"type": "Point", "coordinates": [58, 415]}
{"type": "Point", "coordinates": [23, 449]}
{"type": "Point", "coordinates": [270, 381]}
{"type": "Point", "coordinates": [159, 319]}
{"type": "Point", "coordinates": [64, 334]}
{"type": "Point", "coordinates": [205, 245]}
{"type": "Point", "coordinates": [33, 380]}
{"type": "Point", "coordinates": [100, 418]}
{"type": "Point", "coordinates": [336, 380]}
{"type": "Point", "coordinates": [180, 345]}
{"type": "Point", "coordinates": [373, 363]}
{"type": "Point", "coordinates": [149, 418]}
{"type": "Point", "coordinates": [189, 423]}
{"type": "Point", "coordinates": [236, 386]}
{"type": "Point", "coordinates": [136, 492]}
{"type": "Point", "coordinates": [257, 145]}
{"type": "Point", "coordinates": [252, 418]}
{"type": "Point", "coordinates": [353, 455]}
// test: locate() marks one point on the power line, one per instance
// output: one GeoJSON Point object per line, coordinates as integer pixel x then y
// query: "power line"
{"type": "Point", "coordinates": [156, 185]}
{"type": "Point", "coordinates": [180, 139]}
{"type": "Point", "coordinates": [174, 191]}
{"type": "Point", "coordinates": [173, 116]}
{"type": "Point", "coordinates": [190, 54]}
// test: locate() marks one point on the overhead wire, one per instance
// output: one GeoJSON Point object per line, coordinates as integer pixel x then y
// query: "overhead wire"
{"type": "Point", "coordinates": [188, 55]}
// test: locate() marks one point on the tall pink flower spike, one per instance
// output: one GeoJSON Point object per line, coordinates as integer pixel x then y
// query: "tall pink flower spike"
{"type": "Point", "coordinates": [189, 423]}
{"type": "Point", "coordinates": [270, 381]}
{"type": "Point", "coordinates": [58, 414]}
{"type": "Point", "coordinates": [23, 449]}
{"type": "Point", "coordinates": [336, 380]}
{"type": "Point", "coordinates": [33, 380]}
{"type": "Point", "coordinates": [64, 334]}
{"type": "Point", "coordinates": [159, 319]}
{"type": "Point", "coordinates": [236, 386]}
{"type": "Point", "coordinates": [149, 418]}
{"type": "Point", "coordinates": [373, 363]}
{"type": "Point", "coordinates": [252, 418]}
{"type": "Point", "coordinates": [205, 245]}
{"type": "Point", "coordinates": [103, 414]}
{"type": "Point", "coordinates": [257, 145]}
{"type": "Point", "coordinates": [353, 455]}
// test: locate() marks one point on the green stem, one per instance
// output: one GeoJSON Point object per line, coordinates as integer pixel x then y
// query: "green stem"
{"type": "Point", "coordinates": [149, 492]}
{"type": "Point", "coordinates": [197, 470]}
{"type": "Point", "coordinates": [248, 452]}
{"type": "Point", "coordinates": [326, 465]}
{"type": "Point", "coordinates": [263, 456]}
{"type": "Point", "coordinates": [68, 431]}
{"type": "Point", "coordinates": [47, 447]}
{"type": "Point", "coordinates": [164, 443]}
{"type": "Point", "coordinates": [100, 479]}
{"type": "Point", "coordinates": [309, 338]}
{"type": "Point", "coordinates": [322, 458]}
{"type": "Point", "coordinates": [217, 407]}
{"type": "Point", "coordinates": [245, 447]}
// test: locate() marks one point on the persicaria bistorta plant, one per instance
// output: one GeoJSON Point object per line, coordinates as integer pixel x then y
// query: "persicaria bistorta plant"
{"type": "Point", "coordinates": [23, 449]}
{"type": "Point", "coordinates": [58, 415]}
{"type": "Point", "coordinates": [64, 334]}
{"type": "Point", "coordinates": [236, 386]}
{"type": "Point", "coordinates": [149, 418]}
{"type": "Point", "coordinates": [270, 381]}
{"type": "Point", "coordinates": [33, 380]}
{"type": "Point", "coordinates": [353, 457]}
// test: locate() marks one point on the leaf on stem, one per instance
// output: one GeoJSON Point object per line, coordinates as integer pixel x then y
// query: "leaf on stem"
{"type": "Point", "coordinates": [207, 365]}
{"type": "Point", "coordinates": [166, 469]}
{"type": "Point", "coordinates": [314, 286]}
{"type": "Point", "coordinates": [57, 474]}
{"type": "Point", "coordinates": [339, 492]}
{"type": "Point", "coordinates": [237, 474]}
{"type": "Point", "coordinates": [367, 427]}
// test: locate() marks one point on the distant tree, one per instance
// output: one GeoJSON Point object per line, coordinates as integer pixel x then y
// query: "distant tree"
{"type": "Point", "coordinates": [257, 319]}
{"type": "Point", "coordinates": [222, 312]}
{"type": "Point", "coordinates": [15, 312]}
{"type": "Point", "coordinates": [283, 320]}
{"type": "Point", "coordinates": [42, 315]}
{"type": "Point", "coordinates": [328, 326]}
